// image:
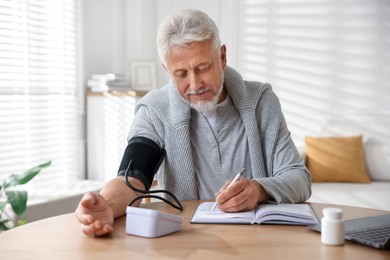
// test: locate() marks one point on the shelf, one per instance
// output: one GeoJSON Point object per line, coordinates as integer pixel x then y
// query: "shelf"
{"type": "Point", "coordinates": [118, 93]}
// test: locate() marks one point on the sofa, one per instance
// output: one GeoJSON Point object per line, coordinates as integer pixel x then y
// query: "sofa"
{"type": "Point", "coordinates": [373, 195]}
{"type": "Point", "coordinates": [370, 156]}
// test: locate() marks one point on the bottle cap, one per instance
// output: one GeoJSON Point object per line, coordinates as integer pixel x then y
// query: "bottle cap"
{"type": "Point", "coordinates": [334, 213]}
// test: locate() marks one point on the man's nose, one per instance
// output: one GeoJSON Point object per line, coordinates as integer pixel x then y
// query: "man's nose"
{"type": "Point", "coordinates": [195, 82]}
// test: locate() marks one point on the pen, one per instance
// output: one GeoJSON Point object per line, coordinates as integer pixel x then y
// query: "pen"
{"type": "Point", "coordinates": [230, 184]}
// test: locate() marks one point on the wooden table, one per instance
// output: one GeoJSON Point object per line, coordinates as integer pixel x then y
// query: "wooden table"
{"type": "Point", "coordinates": [60, 238]}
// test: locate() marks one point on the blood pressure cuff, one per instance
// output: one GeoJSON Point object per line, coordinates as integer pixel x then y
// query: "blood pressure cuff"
{"type": "Point", "coordinates": [141, 159]}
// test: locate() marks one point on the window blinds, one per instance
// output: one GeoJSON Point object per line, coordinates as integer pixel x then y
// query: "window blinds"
{"type": "Point", "coordinates": [38, 88]}
{"type": "Point", "coordinates": [327, 60]}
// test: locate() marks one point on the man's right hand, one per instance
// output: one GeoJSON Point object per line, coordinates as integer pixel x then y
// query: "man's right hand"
{"type": "Point", "coordinates": [95, 215]}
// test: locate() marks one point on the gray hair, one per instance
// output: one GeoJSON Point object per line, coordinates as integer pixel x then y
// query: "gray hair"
{"type": "Point", "coordinates": [184, 27]}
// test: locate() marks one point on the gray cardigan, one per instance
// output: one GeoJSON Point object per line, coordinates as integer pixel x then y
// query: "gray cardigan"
{"type": "Point", "coordinates": [276, 163]}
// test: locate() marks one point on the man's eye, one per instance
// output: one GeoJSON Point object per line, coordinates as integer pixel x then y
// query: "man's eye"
{"type": "Point", "coordinates": [179, 75]}
{"type": "Point", "coordinates": [202, 69]}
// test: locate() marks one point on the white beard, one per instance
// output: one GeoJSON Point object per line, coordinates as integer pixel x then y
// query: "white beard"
{"type": "Point", "coordinates": [205, 106]}
{"type": "Point", "coordinates": [208, 105]}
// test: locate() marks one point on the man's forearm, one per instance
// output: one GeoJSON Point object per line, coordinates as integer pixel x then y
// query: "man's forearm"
{"type": "Point", "coordinates": [118, 194]}
{"type": "Point", "coordinates": [291, 187]}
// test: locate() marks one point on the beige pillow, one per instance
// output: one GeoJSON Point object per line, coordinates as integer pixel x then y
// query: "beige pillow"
{"type": "Point", "coordinates": [336, 159]}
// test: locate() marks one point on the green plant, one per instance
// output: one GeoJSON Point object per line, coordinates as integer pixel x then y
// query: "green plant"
{"type": "Point", "coordinates": [15, 198]}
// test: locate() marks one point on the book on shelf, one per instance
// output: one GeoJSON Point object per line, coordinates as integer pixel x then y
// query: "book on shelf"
{"type": "Point", "coordinates": [106, 82]}
{"type": "Point", "coordinates": [279, 214]}
{"type": "Point", "coordinates": [104, 77]}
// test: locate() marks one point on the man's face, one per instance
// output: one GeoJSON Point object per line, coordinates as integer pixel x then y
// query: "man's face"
{"type": "Point", "coordinates": [197, 71]}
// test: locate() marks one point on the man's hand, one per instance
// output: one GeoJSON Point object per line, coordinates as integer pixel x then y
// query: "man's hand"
{"type": "Point", "coordinates": [95, 215]}
{"type": "Point", "coordinates": [243, 195]}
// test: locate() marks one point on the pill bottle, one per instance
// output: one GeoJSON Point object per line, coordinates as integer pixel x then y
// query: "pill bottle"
{"type": "Point", "coordinates": [332, 227]}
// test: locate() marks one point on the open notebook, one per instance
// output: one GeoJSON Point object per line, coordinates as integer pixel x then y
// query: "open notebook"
{"type": "Point", "coordinates": [283, 214]}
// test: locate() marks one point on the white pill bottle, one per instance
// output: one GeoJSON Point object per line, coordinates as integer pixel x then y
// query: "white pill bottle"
{"type": "Point", "coordinates": [332, 227]}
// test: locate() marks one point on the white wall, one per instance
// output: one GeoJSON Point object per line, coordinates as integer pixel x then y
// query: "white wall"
{"type": "Point", "coordinates": [97, 33]}
{"type": "Point", "coordinates": [329, 64]}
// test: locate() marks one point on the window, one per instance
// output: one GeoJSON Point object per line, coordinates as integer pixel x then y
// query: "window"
{"type": "Point", "coordinates": [328, 61]}
{"type": "Point", "coordinates": [39, 88]}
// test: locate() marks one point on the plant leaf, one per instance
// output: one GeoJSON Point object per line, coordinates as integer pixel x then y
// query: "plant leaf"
{"type": "Point", "coordinates": [21, 222]}
{"type": "Point", "coordinates": [18, 201]}
{"type": "Point", "coordinates": [3, 227]}
{"type": "Point", "coordinates": [2, 205]}
{"type": "Point", "coordinates": [18, 179]}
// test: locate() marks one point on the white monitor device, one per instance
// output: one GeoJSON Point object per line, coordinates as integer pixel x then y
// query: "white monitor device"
{"type": "Point", "coordinates": [151, 223]}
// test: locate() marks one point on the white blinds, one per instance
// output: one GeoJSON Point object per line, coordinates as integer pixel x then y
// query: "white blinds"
{"type": "Point", "coordinates": [38, 87]}
{"type": "Point", "coordinates": [327, 60]}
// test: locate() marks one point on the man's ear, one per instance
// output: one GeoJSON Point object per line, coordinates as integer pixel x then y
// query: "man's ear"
{"type": "Point", "coordinates": [223, 56]}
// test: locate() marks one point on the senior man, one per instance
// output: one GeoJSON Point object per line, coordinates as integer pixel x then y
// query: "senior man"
{"type": "Point", "coordinates": [204, 126]}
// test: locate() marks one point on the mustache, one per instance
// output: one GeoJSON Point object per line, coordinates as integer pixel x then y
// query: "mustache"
{"type": "Point", "coordinates": [197, 92]}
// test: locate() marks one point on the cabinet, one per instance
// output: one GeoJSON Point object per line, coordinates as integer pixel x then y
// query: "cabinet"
{"type": "Point", "coordinates": [109, 117]}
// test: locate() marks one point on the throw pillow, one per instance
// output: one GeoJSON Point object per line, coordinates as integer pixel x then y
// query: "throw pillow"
{"type": "Point", "coordinates": [336, 159]}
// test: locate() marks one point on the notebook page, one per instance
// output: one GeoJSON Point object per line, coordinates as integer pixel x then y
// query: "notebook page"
{"type": "Point", "coordinates": [203, 211]}
{"type": "Point", "coordinates": [303, 211]}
